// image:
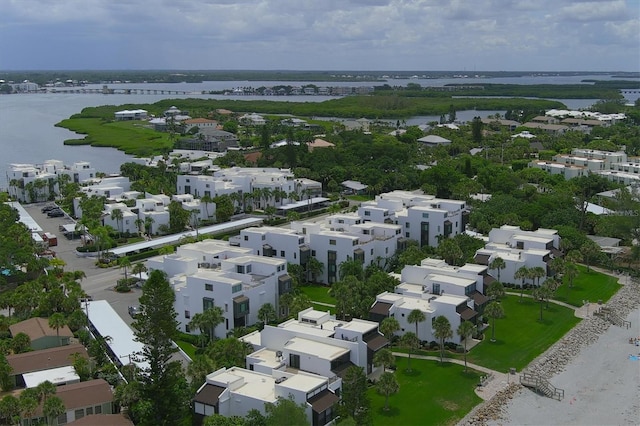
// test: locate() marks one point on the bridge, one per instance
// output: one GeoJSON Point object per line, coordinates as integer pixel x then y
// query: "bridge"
{"type": "Point", "coordinates": [118, 91]}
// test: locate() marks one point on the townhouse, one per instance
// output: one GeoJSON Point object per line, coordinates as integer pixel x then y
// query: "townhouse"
{"type": "Point", "coordinates": [518, 249]}
{"type": "Point", "coordinates": [208, 274]}
{"type": "Point", "coordinates": [236, 391]}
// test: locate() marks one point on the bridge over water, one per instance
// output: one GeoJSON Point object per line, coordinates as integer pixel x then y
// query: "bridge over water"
{"type": "Point", "coordinates": [119, 91]}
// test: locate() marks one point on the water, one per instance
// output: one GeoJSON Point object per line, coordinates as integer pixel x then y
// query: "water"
{"type": "Point", "coordinates": [28, 135]}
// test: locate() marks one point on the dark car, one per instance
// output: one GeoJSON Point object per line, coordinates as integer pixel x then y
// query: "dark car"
{"type": "Point", "coordinates": [56, 213]}
{"type": "Point", "coordinates": [48, 208]}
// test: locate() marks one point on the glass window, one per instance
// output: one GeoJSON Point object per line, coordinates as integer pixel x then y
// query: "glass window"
{"type": "Point", "coordinates": [208, 287]}
{"type": "Point", "coordinates": [332, 242]}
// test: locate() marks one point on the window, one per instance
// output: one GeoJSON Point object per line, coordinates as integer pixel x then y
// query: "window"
{"type": "Point", "coordinates": [294, 361]}
{"type": "Point", "coordinates": [236, 288]}
{"type": "Point", "coordinates": [79, 414]}
{"type": "Point", "coordinates": [313, 253]}
{"type": "Point", "coordinates": [246, 238]}
{"type": "Point", "coordinates": [89, 411]}
{"type": "Point", "coordinates": [406, 225]}
{"type": "Point", "coordinates": [332, 242]}
{"type": "Point", "coordinates": [425, 215]}
{"type": "Point", "coordinates": [367, 213]}
{"type": "Point", "coordinates": [187, 314]}
{"type": "Point", "coordinates": [62, 418]}
{"type": "Point", "coordinates": [407, 234]}
{"type": "Point", "coordinates": [207, 303]}
{"type": "Point", "coordinates": [208, 287]}
{"type": "Point", "coordinates": [226, 307]}
{"type": "Point", "coordinates": [240, 269]}
{"type": "Point", "coordinates": [282, 254]}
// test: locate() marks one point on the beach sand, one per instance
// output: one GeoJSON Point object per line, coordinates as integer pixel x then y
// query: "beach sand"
{"type": "Point", "coordinates": [601, 386]}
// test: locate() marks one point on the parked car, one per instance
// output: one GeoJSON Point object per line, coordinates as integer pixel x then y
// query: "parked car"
{"type": "Point", "coordinates": [55, 213]}
{"type": "Point", "coordinates": [48, 208]}
{"type": "Point", "coordinates": [134, 311]}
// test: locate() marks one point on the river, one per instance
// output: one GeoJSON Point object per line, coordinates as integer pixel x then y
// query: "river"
{"type": "Point", "coordinates": [28, 134]}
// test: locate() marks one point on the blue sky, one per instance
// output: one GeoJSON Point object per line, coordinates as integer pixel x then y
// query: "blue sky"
{"type": "Point", "coordinates": [494, 35]}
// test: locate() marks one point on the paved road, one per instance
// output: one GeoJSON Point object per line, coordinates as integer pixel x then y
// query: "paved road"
{"type": "Point", "coordinates": [100, 282]}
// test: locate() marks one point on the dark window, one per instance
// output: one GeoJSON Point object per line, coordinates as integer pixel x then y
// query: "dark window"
{"type": "Point", "coordinates": [294, 361]}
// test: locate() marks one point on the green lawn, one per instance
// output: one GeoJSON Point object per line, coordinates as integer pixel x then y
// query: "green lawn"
{"type": "Point", "coordinates": [187, 347]}
{"type": "Point", "coordinates": [591, 286]}
{"type": "Point", "coordinates": [432, 394]}
{"type": "Point", "coordinates": [318, 293]}
{"type": "Point", "coordinates": [520, 336]}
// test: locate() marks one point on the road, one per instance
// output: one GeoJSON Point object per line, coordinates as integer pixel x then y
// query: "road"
{"type": "Point", "coordinates": [100, 282]}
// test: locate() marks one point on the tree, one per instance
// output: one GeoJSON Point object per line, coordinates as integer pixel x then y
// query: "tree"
{"type": "Point", "coordinates": [229, 352]}
{"type": "Point", "coordinates": [536, 273]}
{"type": "Point", "coordinates": [6, 381]}
{"type": "Point", "coordinates": [52, 408]}
{"type": "Point", "coordinates": [541, 294]}
{"type": "Point", "coordinates": [82, 366]}
{"type": "Point", "coordinates": [28, 401]}
{"type": "Point", "coordinates": [355, 401]}
{"type": "Point", "coordinates": [465, 331]}
{"type": "Point", "coordinates": [450, 251]}
{"type": "Point", "coordinates": [495, 290]}
{"type": "Point", "coordinates": [57, 321]}
{"type": "Point", "coordinates": [352, 299]}
{"type": "Point", "coordinates": [148, 225]}
{"type": "Point", "coordinates": [416, 316]}
{"type": "Point", "coordinates": [220, 420]}
{"type": "Point", "coordinates": [117, 215]}
{"type": "Point", "coordinates": [286, 412]}
{"type": "Point", "coordinates": [571, 272]}
{"type": "Point", "coordinates": [208, 320]}
{"type": "Point", "coordinates": [125, 263]}
{"type": "Point", "coordinates": [20, 343]}
{"type": "Point", "coordinates": [314, 269]}
{"type": "Point", "coordinates": [494, 310]}
{"type": "Point", "coordinates": [139, 268]}
{"type": "Point", "coordinates": [197, 370]}
{"type": "Point", "coordinates": [498, 264]}
{"type": "Point", "coordinates": [521, 273]}
{"type": "Point", "coordinates": [590, 252]}
{"type": "Point", "coordinates": [156, 328]}
{"type": "Point", "coordinates": [389, 326]}
{"type": "Point", "coordinates": [385, 358]}
{"type": "Point", "coordinates": [9, 410]}
{"type": "Point", "coordinates": [267, 313]}
{"type": "Point", "coordinates": [410, 341]}
{"type": "Point", "coordinates": [387, 385]}
{"type": "Point", "coordinates": [442, 331]}
{"type": "Point", "coordinates": [351, 268]}
{"type": "Point", "coordinates": [224, 208]}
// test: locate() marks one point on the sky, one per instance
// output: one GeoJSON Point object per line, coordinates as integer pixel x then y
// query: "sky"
{"type": "Point", "coordinates": [358, 35]}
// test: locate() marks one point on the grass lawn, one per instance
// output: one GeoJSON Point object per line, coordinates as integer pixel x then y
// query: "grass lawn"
{"type": "Point", "coordinates": [318, 293]}
{"type": "Point", "coordinates": [520, 336]}
{"type": "Point", "coordinates": [187, 347]}
{"type": "Point", "coordinates": [431, 394]}
{"type": "Point", "coordinates": [591, 286]}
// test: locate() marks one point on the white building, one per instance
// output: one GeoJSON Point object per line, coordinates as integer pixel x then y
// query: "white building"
{"type": "Point", "coordinates": [209, 274]}
{"type": "Point", "coordinates": [126, 115]}
{"type": "Point", "coordinates": [236, 391]}
{"type": "Point", "coordinates": [423, 218]}
{"type": "Point", "coordinates": [316, 342]}
{"type": "Point", "coordinates": [518, 249]}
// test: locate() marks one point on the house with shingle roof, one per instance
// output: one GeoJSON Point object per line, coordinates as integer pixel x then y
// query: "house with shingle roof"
{"type": "Point", "coordinates": [34, 361]}
{"type": "Point", "coordinates": [42, 336]}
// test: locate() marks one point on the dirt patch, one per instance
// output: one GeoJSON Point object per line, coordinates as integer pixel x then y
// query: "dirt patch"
{"type": "Point", "coordinates": [448, 405]}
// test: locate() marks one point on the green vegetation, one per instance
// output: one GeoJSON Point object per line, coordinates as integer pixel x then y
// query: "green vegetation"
{"type": "Point", "coordinates": [187, 347]}
{"type": "Point", "coordinates": [318, 293]}
{"type": "Point", "coordinates": [590, 286]}
{"type": "Point", "coordinates": [132, 137]}
{"type": "Point", "coordinates": [449, 395]}
{"type": "Point", "coordinates": [520, 337]}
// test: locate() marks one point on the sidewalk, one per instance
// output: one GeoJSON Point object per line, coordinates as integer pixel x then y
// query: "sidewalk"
{"type": "Point", "coordinates": [496, 381]}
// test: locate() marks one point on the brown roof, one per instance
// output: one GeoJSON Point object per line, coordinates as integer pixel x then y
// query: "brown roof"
{"type": "Point", "coordinates": [37, 328]}
{"type": "Point", "coordinates": [488, 279]}
{"type": "Point", "coordinates": [380, 308]}
{"type": "Point", "coordinates": [209, 394]}
{"type": "Point", "coordinates": [323, 400]}
{"type": "Point", "coordinates": [102, 420]}
{"type": "Point", "coordinates": [83, 394]}
{"type": "Point", "coordinates": [479, 298]}
{"type": "Point", "coordinates": [482, 259]}
{"type": "Point", "coordinates": [253, 157]}
{"type": "Point", "coordinates": [199, 120]}
{"type": "Point", "coordinates": [376, 342]}
{"type": "Point", "coordinates": [467, 314]}
{"type": "Point", "coordinates": [45, 359]}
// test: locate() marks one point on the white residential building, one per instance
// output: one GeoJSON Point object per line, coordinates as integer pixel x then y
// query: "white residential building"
{"type": "Point", "coordinates": [519, 248]}
{"type": "Point", "coordinates": [128, 222]}
{"type": "Point", "coordinates": [423, 218]}
{"type": "Point", "coordinates": [208, 274]}
{"type": "Point", "coordinates": [316, 342]}
{"type": "Point", "coordinates": [236, 391]}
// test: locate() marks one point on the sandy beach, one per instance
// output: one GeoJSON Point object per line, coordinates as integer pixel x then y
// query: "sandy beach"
{"type": "Point", "coordinates": [601, 385]}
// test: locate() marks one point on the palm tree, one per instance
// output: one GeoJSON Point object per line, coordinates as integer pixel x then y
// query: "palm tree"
{"type": "Point", "coordinates": [125, 263]}
{"type": "Point", "coordinates": [57, 321]}
{"type": "Point", "coordinates": [117, 215]}
{"type": "Point", "coordinates": [198, 368]}
{"type": "Point", "coordinates": [442, 331]}
{"type": "Point", "coordinates": [139, 268]}
{"type": "Point", "coordinates": [410, 341]}
{"type": "Point", "coordinates": [206, 200]}
{"type": "Point", "coordinates": [387, 385]}
{"type": "Point", "coordinates": [315, 268]}
{"type": "Point", "coordinates": [195, 220]}
{"type": "Point", "coordinates": [557, 266]}
{"type": "Point", "coordinates": [266, 194]}
{"type": "Point", "coordinates": [495, 290]}
{"type": "Point", "coordinates": [498, 264]}
{"type": "Point", "coordinates": [266, 313]}
{"type": "Point", "coordinates": [571, 272]}
{"type": "Point", "coordinates": [536, 273]}
{"type": "Point", "coordinates": [465, 331]}
{"type": "Point", "coordinates": [541, 294]}
{"type": "Point", "coordinates": [494, 310]}
{"type": "Point", "coordinates": [148, 224]}
{"type": "Point", "coordinates": [139, 224]}
{"type": "Point", "coordinates": [28, 401]}
{"type": "Point", "coordinates": [208, 320]}
{"type": "Point", "coordinates": [45, 390]}
{"type": "Point", "coordinates": [389, 326]}
{"type": "Point", "coordinates": [521, 273]}
{"type": "Point", "coordinates": [52, 408]}
{"type": "Point", "coordinates": [416, 316]}
{"type": "Point", "coordinates": [385, 358]}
